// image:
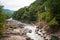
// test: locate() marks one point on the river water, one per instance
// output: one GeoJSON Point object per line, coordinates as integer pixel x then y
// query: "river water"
{"type": "Point", "coordinates": [32, 35]}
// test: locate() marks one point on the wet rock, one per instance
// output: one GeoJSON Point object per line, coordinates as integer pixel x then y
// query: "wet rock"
{"type": "Point", "coordinates": [28, 38]}
{"type": "Point", "coordinates": [40, 30]}
{"type": "Point", "coordinates": [23, 33]}
{"type": "Point", "coordinates": [46, 39]}
{"type": "Point", "coordinates": [11, 27]}
{"type": "Point", "coordinates": [39, 34]}
{"type": "Point", "coordinates": [30, 31]}
{"type": "Point", "coordinates": [39, 27]}
{"type": "Point", "coordinates": [21, 26]}
{"type": "Point", "coordinates": [36, 31]}
{"type": "Point", "coordinates": [43, 33]}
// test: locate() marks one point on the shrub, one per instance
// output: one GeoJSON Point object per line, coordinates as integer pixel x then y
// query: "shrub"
{"type": "Point", "coordinates": [53, 23]}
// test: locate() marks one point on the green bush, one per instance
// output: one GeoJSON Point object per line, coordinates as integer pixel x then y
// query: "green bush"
{"type": "Point", "coordinates": [53, 24]}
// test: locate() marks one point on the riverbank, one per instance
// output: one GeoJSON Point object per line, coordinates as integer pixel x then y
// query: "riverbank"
{"type": "Point", "coordinates": [40, 30]}
{"type": "Point", "coordinates": [20, 31]}
{"type": "Point", "coordinates": [43, 27]}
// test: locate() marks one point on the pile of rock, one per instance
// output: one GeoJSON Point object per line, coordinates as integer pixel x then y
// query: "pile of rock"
{"type": "Point", "coordinates": [42, 33]}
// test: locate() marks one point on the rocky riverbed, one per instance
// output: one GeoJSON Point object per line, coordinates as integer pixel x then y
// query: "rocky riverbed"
{"type": "Point", "coordinates": [43, 28]}
{"type": "Point", "coordinates": [20, 31]}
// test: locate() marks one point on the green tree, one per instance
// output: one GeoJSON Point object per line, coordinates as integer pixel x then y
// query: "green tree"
{"type": "Point", "coordinates": [2, 20]}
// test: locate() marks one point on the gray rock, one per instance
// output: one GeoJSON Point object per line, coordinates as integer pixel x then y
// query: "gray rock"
{"type": "Point", "coordinates": [30, 31]}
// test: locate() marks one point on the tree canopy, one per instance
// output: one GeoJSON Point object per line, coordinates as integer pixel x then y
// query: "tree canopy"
{"type": "Point", "coordinates": [48, 10]}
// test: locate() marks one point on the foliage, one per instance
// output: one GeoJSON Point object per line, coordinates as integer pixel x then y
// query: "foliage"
{"type": "Point", "coordinates": [20, 14]}
{"type": "Point", "coordinates": [53, 22]}
{"type": "Point", "coordinates": [7, 16]}
{"type": "Point", "coordinates": [30, 13]}
{"type": "Point", "coordinates": [2, 20]}
{"type": "Point", "coordinates": [48, 10]}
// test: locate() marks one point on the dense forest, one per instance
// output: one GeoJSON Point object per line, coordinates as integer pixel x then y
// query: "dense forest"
{"type": "Point", "coordinates": [47, 10]}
